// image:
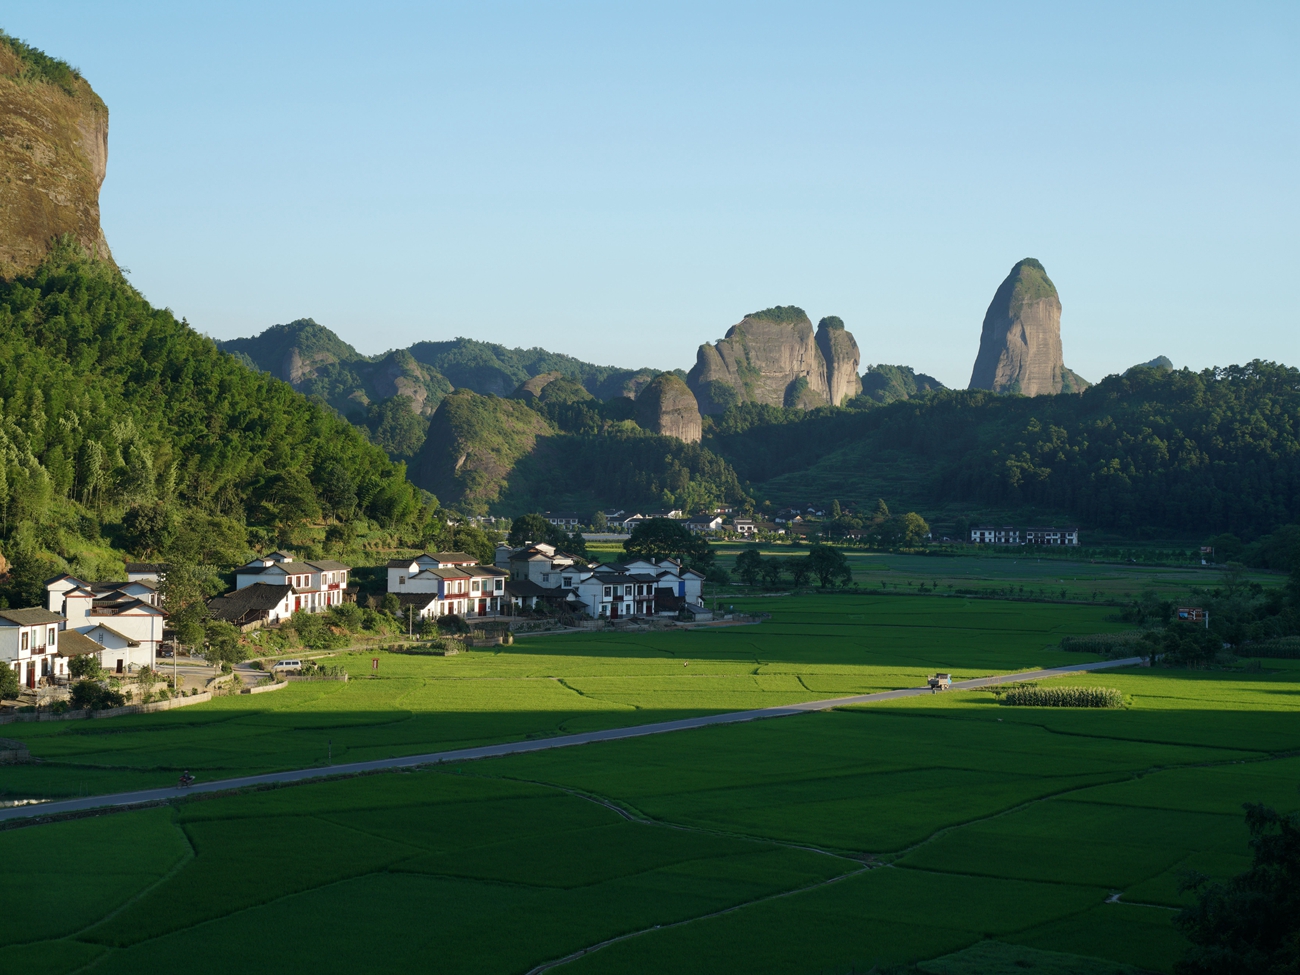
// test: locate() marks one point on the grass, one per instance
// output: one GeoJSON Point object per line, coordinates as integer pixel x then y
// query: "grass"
{"type": "Point", "coordinates": [942, 827]}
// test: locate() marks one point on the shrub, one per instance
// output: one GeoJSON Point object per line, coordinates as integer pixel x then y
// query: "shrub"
{"type": "Point", "coordinates": [8, 682]}
{"type": "Point", "coordinates": [1063, 697]}
{"type": "Point", "coordinates": [85, 666]}
{"type": "Point", "coordinates": [94, 696]}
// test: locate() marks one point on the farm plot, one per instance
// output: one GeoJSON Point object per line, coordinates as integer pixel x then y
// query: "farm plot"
{"type": "Point", "coordinates": [813, 647]}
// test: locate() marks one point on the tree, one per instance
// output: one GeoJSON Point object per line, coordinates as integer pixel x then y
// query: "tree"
{"type": "Point", "coordinates": [1251, 923]}
{"type": "Point", "coordinates": [881, 512]}
{"type": "Point", "coordinates": [661, 538]}
{"type": "Point", "coordinates": [530, 528]}
{"type": "Point", "coordinates": [835, 509]}
{"type": "Point", "coordinates": [800, 571]}
{"type": "Point", "coordinates": [223, 643]}
{"type": "Point", "coordinates": [474, 541]}
{"type": "Point", "coordinates": [599, 522]}
{"type": "Point", "coordinates": [8, 682]}
{"type": "Point", "coordinates": [772, 570]}
{"type": "Point", "coordinates": [84, 666]}
{"type": "Point", "coordinates": [749, 566]}
{"type": "Point", "coordinates": [829, 565]}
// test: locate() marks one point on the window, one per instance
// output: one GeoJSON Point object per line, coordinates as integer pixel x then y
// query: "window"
{"type": "Point", "coordinates": [608, 591]}
{"type": "Point", "coordinates": [627, 590]}
{"type": "Point", "coordinates": [567, 581]}
{"type": "Point", "coordinates": [23, 640]}
{"type": "Point", "coordinates": [546, 577]}
{"type": "Point", "coordinates": [401, 580]}
{"type": "Point", "coordinates": [53, 637]}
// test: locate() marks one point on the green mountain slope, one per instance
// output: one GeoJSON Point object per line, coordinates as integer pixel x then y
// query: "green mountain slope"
{"type": "Point", "coordinates": [122, 430]}
{"type": "Point", "coordinates": [1150, 451]}
{"type": "Point", "coordinates": [561, 449]}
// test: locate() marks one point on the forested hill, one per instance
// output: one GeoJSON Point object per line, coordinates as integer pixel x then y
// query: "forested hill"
{"type": "Point", "coordinates": [1150, 451]}
{"type": "Point", "coordinates": [125, 431]}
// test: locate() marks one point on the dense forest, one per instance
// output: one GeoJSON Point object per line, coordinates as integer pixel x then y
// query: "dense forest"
{"type": "Point", "coordinates": [1153, 450]}
{"type": "Point", "coordinates": [125, 431]}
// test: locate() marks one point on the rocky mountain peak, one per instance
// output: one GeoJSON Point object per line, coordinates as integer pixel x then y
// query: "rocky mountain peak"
{"type": "Point", "coordinates": [773, 357]}
{"type": "Point", "coordinates": [1020, 343]}
{"type": "Point", "coordinates": [668, 407]}
{"type": "Point", "coordinates": [53, 153]}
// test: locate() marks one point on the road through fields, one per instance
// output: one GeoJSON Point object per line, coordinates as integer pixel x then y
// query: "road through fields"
{"type": "Point", "coordinates": [60, 806]}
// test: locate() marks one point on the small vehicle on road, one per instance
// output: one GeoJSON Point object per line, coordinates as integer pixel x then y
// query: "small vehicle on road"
{"type": "Point", "coordinates": [186, 780]}
{"type": "Point", "coordinates": [288, 665]}
{"type": "Point", "coordinates": [940, 682]}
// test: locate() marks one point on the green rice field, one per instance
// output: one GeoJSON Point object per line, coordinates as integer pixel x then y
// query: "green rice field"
{"type": "Point", "coordinates": [950, 832]}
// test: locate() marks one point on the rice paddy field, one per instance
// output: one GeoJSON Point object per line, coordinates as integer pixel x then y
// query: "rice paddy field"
{"type": "Point", "coordinates": [952, 833]}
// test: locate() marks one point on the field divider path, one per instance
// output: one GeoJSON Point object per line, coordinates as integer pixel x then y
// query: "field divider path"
{"type": "Point", "coordinates": [56, 807]}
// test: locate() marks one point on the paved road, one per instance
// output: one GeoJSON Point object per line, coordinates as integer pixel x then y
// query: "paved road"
{"type": "Point", "coordinates": [539, 744]}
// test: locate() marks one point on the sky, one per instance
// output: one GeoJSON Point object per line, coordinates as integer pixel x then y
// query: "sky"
{"type": "Point", "coordinates": [621, 182]}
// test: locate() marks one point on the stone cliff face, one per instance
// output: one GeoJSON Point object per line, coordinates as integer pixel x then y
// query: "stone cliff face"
{"type": "Point", "coordinates": [772, 357]}
{"type": "Point", "coordinates": [841, 355]}
{"type": "Point", "coordinates": [53, 156]}
{"type": "Point", "coordinates": [1020, 344]}
{"type": "Point", "coordinates": [668, 407]}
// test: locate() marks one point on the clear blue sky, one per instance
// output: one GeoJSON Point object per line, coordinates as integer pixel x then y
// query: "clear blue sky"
{"type": "Point", "coordinates": [622, 182]}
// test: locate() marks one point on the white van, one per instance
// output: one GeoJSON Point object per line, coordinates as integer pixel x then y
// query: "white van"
{"type": "Point", "coordinates": [288, 665]}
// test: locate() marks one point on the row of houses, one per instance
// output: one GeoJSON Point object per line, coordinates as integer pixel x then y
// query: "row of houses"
{"type": "Point", "coordinates": [273, 587]}
{"type": "Point", "coordinates": [541, 577]}
{"type": "Point", "coordinates": [1009, 535]}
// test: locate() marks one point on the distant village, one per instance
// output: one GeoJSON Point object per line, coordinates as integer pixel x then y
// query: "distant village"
{"type": "Point", "coordinates": [123, 623]}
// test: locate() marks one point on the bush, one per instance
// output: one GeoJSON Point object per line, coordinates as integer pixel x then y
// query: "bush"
{"type": "Point", "coordinates": [453, 624]}
{"type": "Point", "coordinates": [1109, 645]}
{"type": "Point", "coordinates": [1063, 697]}
{"type": "Point", "coordinates": [85, 666]}
{"type": "Point", "coordinates": [1283, 648]}
{"type": "Point", "coordinates": [93, 696]}
{"type": "Point", "coordinates": [8, 682]}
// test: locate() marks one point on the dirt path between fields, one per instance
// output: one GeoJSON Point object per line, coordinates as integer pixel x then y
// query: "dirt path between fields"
{"type": "Point", "coordinates": [57, 807]}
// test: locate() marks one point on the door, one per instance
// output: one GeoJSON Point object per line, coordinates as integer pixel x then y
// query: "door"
{"type": "Point", "coordinates": [119, 664]}
{"type": "Point", "coordinates": [31, 674]}
{"type": "Point", "coordinates": [482, 607]}
{"type": "Point", "coordinates": [613, 611]}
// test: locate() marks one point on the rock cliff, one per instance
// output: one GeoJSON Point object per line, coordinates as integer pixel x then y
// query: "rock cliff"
{"type": "Point", "coordinates": [668, 407]}
{"type": "Point", "coordinates": [53, 156]}
{"type": "Point", "coordinates": [772, 357]}
{"type": "Point", "coordinates": [841, 355]}
{"type": "Point", "coordinates": [1020, 343]}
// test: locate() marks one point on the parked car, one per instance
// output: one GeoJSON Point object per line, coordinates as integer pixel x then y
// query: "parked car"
{"type": "Point", "coordinates": [288, 665]}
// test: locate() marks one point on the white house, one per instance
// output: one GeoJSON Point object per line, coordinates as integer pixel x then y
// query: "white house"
{"type": "Point", "coordinates": [29, 644]}
{"type": "Point", "coordinates": [702, 524]}
{"type": "Point", "coordinates": [1009, 535]}
{"type": "Point", "coordinates": [402, 571]}
{"type": "Point", "coordinates": [568, 520]}
{"type": "Point", "coordinates": [316, 585]}
{"type": "Point", "coordinates": [261, 602]}
{"type": "Point", "coordinates": [743, 526]}
{"type": "Point", "coordinates": [542, 564]}
{"type": "Point", "coordinates": [640, 587]}
{"type": "Point", "coordinates": [124, 617]}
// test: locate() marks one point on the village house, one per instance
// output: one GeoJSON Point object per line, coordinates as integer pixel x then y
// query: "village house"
{"type": "Point", "coordinates": [125, 618]}
{"type": "Point", "coordinates": [703, 524]}
{"type": "Point", "coordinates": [1010, 535]}
{"type": "Point", "coordinates": [316, 585]}
{"type": "Point", "coordinates": [568, 520]}
{"type": "Point", "coordinates": [743, 526]}
{"type": "Point", "coordinates": [640, 587]}
{"type": "Point", "coordinates": [447, 583]}
{"type": "Point", "coordinates": [263, 602]}
{"type": "Point", "coordinates": [29, 644]}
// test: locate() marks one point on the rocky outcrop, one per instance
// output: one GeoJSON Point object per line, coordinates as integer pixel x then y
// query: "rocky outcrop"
{"type": "Point", "coordinates": [531, 389]}
{"type": "Point", "coordinates": [53, 156]}
{"type": "Point", "coordinates": [772, 357]}
{"type": "Point", "coordinates": [841, 355]}
{"type": "Point", "coordinates": [1020, 344]}
{"type": "Point", "coordinates": [668, 407]}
